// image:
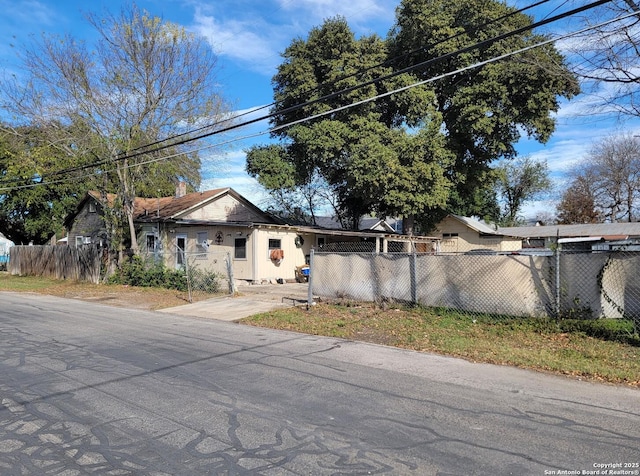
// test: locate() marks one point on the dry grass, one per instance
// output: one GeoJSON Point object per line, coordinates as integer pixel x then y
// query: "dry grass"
{"type": "Point", "coordinates": [111, 294]}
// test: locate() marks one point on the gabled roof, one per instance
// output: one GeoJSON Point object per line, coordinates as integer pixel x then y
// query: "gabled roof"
{"type": "Point", "coordinates": [173, 208]}
{"type": "Point", "coordinates": [366, 224]}
{"type": "Point", "coordinates": [479, 226]}
{"type": "Point", "coordinates": [164, 208]}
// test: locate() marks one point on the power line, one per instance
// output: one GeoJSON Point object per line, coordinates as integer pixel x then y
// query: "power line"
{"type": "Point", "coordinates": [377, 80]}
{"type": "Point", "coordinates": [344, 77]}
{"type": "Point", "coordinates": [144, 148]}
{"type": "Point", "coordinates": [373, 98]}
{"type": "Point", "coordinates": [296, 107]}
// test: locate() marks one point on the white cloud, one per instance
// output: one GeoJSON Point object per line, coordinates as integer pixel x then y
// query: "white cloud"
{"type": "Point", "coordinates": [353, 10]}
{"type": "Point", "coordinates": [252, 41]}
{"type": "Point", "coordinates": [29, 12]}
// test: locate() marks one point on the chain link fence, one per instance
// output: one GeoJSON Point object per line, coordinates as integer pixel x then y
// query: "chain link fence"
{"type": "Point", "coordinates": [205, 273]}
{"type": "Point", "coordinates": [576, 285]}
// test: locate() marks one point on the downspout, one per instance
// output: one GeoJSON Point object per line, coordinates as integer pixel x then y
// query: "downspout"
{"type": "Point", "coordinates": [254, 255]}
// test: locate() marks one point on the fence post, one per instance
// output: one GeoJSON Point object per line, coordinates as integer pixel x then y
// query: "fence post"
{"type": "Point", "coordinates": [557, 256]}
{"type": "Point", "coordinates": [310, 281]}
{"type": "Point", "coordinates": [232, 284]}
{"type": "Point", "coordinates": [187, 272]}
{"type": "Point", "coordinates": [413, 265]}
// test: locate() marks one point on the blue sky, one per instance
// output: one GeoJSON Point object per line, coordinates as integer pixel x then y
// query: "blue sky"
{"type": "Point", "coordinates": [249, 35]}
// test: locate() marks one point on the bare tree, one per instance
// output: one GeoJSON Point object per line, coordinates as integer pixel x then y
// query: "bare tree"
{"type": "Point", "coordinates": [609, 56]}
{"type": "Point", "coordinates": [613, 171]}
{"type": "Point", "coordinates": [145, 80]}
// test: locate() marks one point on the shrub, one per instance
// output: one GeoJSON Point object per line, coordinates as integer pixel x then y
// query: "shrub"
{"type": "Point", "coordinates": [149, 273]}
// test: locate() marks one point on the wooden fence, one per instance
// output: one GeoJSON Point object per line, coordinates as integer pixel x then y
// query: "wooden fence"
{"type": "Point", "coordinates": [58, 262]}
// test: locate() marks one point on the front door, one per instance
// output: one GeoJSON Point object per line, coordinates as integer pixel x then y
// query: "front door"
{"type": "Point", "coordinates": [181, 249]}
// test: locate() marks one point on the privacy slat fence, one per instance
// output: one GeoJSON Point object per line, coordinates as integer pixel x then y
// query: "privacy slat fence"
{"type": "Point", "coordinates": [585, 285]}
{"type": "Point", "coordinates": [59, 262]}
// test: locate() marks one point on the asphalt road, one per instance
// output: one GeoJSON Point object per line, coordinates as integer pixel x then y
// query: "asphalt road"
{"type": "Point", "coordinates": [92, 389]}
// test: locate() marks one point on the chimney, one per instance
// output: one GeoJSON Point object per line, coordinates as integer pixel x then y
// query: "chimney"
{"type": "Point", "coordinates": [181, 189]}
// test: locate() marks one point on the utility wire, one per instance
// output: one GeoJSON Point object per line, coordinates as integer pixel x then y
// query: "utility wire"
{"type": "Point", "coordinates": [342, 78]}
{"type": "Point", "coordinates": [293, 108]}
{"type": "Point", "coordinates": [335, 94]}
{"type": "Point", "coordinates": [377, 80]}
{"type": "Point", "coordinates": [404, 88]}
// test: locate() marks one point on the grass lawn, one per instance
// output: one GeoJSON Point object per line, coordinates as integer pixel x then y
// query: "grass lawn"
{"type": "Point", "coordinates": [603, 350]}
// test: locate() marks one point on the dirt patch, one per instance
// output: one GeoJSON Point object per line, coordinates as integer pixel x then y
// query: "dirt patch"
{"type": "Point", "coordinates": [113, 295]}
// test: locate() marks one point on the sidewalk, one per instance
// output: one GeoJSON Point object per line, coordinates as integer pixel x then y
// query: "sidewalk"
{"type": "Point", "coordinates": [250, 300]}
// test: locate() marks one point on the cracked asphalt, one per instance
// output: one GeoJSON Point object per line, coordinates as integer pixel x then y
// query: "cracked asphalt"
{"type": "Point", "coordinates": [91, 389]}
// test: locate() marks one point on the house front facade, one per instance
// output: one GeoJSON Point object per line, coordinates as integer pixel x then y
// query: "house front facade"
{"type": "Point", "coordinates": [219, 230]}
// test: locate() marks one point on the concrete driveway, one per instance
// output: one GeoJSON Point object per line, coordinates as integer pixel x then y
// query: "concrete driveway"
{"type": "Point", "coordinates": [250, 300]}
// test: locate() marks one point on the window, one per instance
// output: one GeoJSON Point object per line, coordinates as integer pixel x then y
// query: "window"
{"type": "Point", "coordinates": [274, 244]}
{"type": "Point", "coordinates": [82, 240]}
{"type": "Point", "coordinates": [240, 251]}
{"type": "Point", "coordinates": [202, 244]}
{"type": "Point", "coordinates": [181, 251]}
{"type": "Point", "coordinates": [92, 207]}
{"type": "Point", "coordinates": [151, 242]}
{"type": "Point", "coordinates": [449, 235]}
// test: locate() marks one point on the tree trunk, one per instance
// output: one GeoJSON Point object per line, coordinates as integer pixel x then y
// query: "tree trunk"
{"type": "Point", "coordinates": [408, 225]}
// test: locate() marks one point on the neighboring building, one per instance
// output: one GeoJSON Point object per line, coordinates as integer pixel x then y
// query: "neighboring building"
{"type": "Point", "coordinates": [208, 226]}
{"type": "Point", "coordinates": [460, 234]}
{"type": "Point", "coordinates": [578, 237]}
{"type": "Point", "coordinates": [5, 246]}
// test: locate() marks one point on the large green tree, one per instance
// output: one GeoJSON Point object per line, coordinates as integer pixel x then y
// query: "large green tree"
{"type": "Point", "coordinates": [426, 150]}
{"type": "Point", "coordinates": [143, 81]}
{"type": "Point", "coordinates": [486, 109]}
{"type": "Point", "coordinates": [384, 156]}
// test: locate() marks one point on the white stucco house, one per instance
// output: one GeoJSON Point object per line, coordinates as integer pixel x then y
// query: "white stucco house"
{"type": "Point", "coordinates": [207, 228]}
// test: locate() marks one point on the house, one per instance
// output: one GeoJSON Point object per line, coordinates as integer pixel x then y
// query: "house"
{"type": "Point", "coordinates": [460, 234]}
{"type": "Point", "coordinates": [211, 227]}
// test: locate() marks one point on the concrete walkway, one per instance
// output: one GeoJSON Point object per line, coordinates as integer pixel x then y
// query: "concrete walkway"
{"type": "Point", "coordinates": [250, 300]}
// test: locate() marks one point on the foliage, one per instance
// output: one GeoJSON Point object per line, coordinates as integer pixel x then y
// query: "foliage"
{"type": "Point", "coordinates": [613, 172]}
{"type": "Point", "coordinates": [607, 59]}
{"type": "Point", "coordinates": [382, 156]}
{"type": "Point", "coordinates": [149, 273]}
{"type": "Point", "coordinates": [518, 181]}
{"type": "Point", "coordinates": [484, 110]}
{"type": "Point", "coordinates": [423, 151]}
{"type": "Point", "coordinates": [144, 81]}
{"type": "Point", "coordinates": [33, 210]}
